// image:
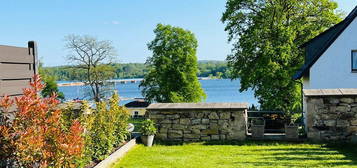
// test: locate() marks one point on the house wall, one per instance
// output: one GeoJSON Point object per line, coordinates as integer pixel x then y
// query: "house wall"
{"type": "Point", "coordinates": [199, 124]}
{"type": "Point", "coordinates": [333, 69]}
{"type": "Point", "coordinates": [331, 118]}
{"type": "Point", "coordinates": [141, 111]}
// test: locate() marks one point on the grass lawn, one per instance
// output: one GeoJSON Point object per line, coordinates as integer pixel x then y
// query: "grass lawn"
{"type": "Point", "coordinates": [241, 154]}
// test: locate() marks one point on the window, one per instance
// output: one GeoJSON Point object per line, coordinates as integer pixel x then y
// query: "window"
{"type": "Point", "coordinates": [354, 61]}
{"type": "Point", "coordinates": [136, 114]}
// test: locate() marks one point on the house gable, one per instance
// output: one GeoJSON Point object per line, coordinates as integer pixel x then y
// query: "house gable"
{"type": "Point", "coordinates": [332, 69]}
{"type": "Point", "coordinates": [316, 47]}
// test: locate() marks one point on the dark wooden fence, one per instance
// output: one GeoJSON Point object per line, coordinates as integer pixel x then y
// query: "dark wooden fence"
{"type": "Point", "coordinates": [17, 67]}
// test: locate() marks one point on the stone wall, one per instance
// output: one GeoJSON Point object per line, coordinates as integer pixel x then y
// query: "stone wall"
{"type": "Point", "coordinates": [199, 122]}
{"type": "Point", "coordinates": [331, 117]}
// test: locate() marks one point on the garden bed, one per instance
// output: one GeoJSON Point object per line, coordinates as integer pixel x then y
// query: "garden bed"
{"type": "Point", "coordinates": [241, 154]}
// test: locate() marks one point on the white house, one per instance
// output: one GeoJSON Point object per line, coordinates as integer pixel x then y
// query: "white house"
{"type": "Point", "coordinates": [331, 57]}
{"type": "Point", "coordinates": [330, 70]}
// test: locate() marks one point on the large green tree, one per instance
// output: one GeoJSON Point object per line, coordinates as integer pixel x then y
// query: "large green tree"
{"type": "Point", "coordinates": [172, 75]}
{"type": "Point", "coordinates": [266, 35]}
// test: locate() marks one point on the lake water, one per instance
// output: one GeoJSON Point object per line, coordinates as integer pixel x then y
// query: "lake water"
{"type": "Point", "coordinates": [219, 90]}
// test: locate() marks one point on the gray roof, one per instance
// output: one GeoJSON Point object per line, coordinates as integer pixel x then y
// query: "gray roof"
{"type": "Point", "coordinates": [318, 45]}
{"type": "Point", "coordinates": [330, 92]}
{"type": "Point", "coordinates": [198, 106]}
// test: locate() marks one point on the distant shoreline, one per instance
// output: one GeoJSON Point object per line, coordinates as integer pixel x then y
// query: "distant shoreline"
{"type": "Point", "coordinates": [121, 81]}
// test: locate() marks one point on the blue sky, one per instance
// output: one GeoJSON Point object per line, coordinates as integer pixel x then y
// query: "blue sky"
{"type": "Point", "coordinates": [128, 24]}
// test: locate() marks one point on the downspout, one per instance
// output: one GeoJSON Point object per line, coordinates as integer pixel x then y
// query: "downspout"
{"type": "Point", "coordinates": [301, 98]}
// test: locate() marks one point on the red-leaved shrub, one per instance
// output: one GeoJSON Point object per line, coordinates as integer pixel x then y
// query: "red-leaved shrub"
{"type": "Point", "coordinates": [35, 136]}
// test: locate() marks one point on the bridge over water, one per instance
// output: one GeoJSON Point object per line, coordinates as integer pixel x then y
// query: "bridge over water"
{"type": "Point", "coordinates": [120, 81]}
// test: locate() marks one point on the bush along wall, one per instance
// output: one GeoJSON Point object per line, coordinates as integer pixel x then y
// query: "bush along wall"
{"type": "Point", "coordinates": [44, 133]}
{"type": "Point", "coordinates": [105, 127]}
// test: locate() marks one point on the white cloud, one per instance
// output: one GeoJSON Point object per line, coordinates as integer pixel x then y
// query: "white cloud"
{"type": "Point", "coordinates": [115, 22]}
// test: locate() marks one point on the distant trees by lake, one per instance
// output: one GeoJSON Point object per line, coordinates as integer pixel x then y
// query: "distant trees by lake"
{"type": "Point", "coordinates": [214, 69]}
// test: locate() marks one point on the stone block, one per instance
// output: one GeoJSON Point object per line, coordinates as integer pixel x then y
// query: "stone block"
{"type": "Point", "coordinates": [213, 126]}
{"type": "Point", "coordinates": [214, 137]}
{"type": "Point", "coordinates": [334, 100]}
{"type": "Point", "coordinates": [222, 137]}
{"type": "Point", "coordinates": [210, 131]}
{"type": "Point", "coordinates": [187, 131]}
{"type": "Point", "coordinates": [205, 138]}
{"type": "Point", "coordinates": [178, 126]}
{"type": "Point", "coordinates": [205, 121]}
{"type": "Point", "coordinates": [352, 129]}
{"type": "Point", "coordinates": [341, 108]}
{"type": "Point", "coordinates": [185, 121]}
{"type": "Point", "coordinates": [163, 130]}
{"type": "Point", "coordinates": [222, 123]}
{"type": "Point", "coordinates": [354, 109]}
{"type": "Point", "coordinates": [332, 109]}
{"type": "Point", "coordinates": [198, 127]}
{"type": "Point", "coordinates": [173, 116]}
{"type": "Point", "coordinates": [347, 100]}
{"type": "Point", "coordinates": [199, 115]}
{"type": "Point", "coordinates": [315, 101]}
{"type": "Point", "coordinates": [157, 116]}
{"type": "Point", "coordinates": [191, 136]}
{"type": "Point", "coordinates": [165, 125]}
{"type": "Point", "coordinates": [224, 115]}
{"type": "Point", "coordinates": [162, 136]}
{"type": "Point", "coordinates": [196, 131]}
{"type": "Point", "coordinates": [330, 123]}
{"type": "Point", "coordinates": [166, 121]}
{"type": "Point", "coordinates": [213, 115]}
{"type": "Point", "coordinates": [354, 122]}
{"type": "Point", "coordinates": [168, 112]}
{"type": "Point", "coordinates": [172, 134]}
{"type": "Point", "coordinates": [313, 135]}
{"type": "Point", "coordinates": [196, 121]}
{"type": "Point", "coordinates": [225, 131]}
{"type": "Point", "coordinates": [176, 121]}
{"type": "Point", "coordinates": [236, 135]}
{"type": "Point", "coordinates": [342, 123]}
{"type": "Point", "coordinates": [213, 121]}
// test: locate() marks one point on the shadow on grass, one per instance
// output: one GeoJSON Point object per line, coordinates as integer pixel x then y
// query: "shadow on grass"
{"type": "Point", "coordinates": [335, 155]}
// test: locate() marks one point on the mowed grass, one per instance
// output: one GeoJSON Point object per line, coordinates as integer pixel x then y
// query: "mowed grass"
{"type": "Point", "coordinates": [245, 155]}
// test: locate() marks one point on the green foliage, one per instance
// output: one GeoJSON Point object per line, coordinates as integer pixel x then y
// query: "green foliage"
{"type": "Point", "coordinates": [133, 70]}
{"type": "Point", "coordinates": [51, 88]}
{"type": "Point", "coordinates": [148, 127]}
{"type": "Point", "coordinates": [172, 75]}
{"type": "Point", "coordinates": [105, 127]}
{"type": "Point", "coordinates": [266, 37]}
{"type": "Point", "coordinates": [51, 84]}
{"type": "Point", "coordinates": [109, 129]}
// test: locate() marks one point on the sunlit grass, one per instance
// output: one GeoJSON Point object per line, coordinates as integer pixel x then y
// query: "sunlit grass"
{"type": "Point", "coordinates": [249, 154]}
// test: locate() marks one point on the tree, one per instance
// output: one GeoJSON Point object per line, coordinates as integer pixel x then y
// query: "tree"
{"type": "Point", "coordinates": [50, 84]}
{"type": "Point", "coordinates": [172, 75]}
{"type": "Point", "coordinates": [266, 36]}
{"type": "Point", "coordinates": [94, 57]}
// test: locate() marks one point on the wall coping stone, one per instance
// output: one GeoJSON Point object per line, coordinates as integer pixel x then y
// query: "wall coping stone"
{"type": "Point", "coordinates": [330, 92]}
{"type": "Point", "coordinates": [178, 106]}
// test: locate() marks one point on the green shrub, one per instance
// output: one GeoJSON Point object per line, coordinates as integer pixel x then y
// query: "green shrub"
{"type": "Point", "coordinates": [105, 127]}
{"type": "Point", "coordinates": [109, 129]}
{"type": "Point", "coordinates": [148, 127]}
